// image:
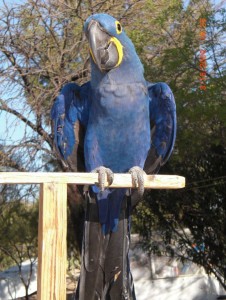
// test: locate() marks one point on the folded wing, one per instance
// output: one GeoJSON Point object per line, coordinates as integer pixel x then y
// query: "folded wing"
{"type": "Point", "coordinates": [69, 116]}
{"type": "Point", "coordinates": [163, 126]}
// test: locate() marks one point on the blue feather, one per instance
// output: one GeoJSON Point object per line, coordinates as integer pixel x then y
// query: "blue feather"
{"type": "Point", "coordinates": [116, 109]}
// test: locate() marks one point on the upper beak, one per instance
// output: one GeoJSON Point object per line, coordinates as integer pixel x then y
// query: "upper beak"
{"type": "Point", "coordinates": [103, 48]}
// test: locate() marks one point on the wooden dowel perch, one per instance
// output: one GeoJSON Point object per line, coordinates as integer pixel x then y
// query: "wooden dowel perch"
{"type": "Point", "coordinates": [52, 246]}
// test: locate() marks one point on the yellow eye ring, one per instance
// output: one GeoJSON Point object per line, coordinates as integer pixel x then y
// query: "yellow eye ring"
{"type": "Point", "coordinates": [118, 27]}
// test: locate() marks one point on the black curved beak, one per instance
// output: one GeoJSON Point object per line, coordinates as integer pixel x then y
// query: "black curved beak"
{"type": "Point", "coordinates": [103, 49]}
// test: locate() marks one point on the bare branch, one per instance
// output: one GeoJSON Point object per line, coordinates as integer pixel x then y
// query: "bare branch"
{"type": "Point", "coordinates": [36, 128]}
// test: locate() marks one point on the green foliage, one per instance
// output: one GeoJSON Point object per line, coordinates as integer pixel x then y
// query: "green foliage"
{"type": "Point", "coordinates": [172, 54]}
{"type": "Point", "coordinates": [18, 232]}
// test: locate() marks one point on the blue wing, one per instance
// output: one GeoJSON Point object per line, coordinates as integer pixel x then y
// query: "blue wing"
{"type": "Point", "coordinates": [163, 126]}
{"type": "Point", "coordinates": [70, 116]}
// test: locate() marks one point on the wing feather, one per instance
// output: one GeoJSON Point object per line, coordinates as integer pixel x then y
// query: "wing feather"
{"type": "Point", "coordinates": [69, 116]}
{"type": "Point", "coordinates": [163, 126]}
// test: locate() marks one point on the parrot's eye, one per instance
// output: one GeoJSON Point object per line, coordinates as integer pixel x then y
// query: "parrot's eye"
{"type": "Point", "coordinates": [118, 27]}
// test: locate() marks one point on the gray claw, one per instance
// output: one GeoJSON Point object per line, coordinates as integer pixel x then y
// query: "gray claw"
{"type": "Point", "coordinates": [137, 175]}
{"type": "Point", "coordinates": [102, 172]}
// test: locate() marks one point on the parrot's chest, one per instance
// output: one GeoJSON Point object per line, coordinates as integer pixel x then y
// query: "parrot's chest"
{"type": "Point", "coordinates": [119, 104]}
{"type": "Point", "coordinates": [118, 132]}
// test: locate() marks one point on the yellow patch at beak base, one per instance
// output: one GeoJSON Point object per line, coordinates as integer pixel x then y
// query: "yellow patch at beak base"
{"type": "Point", "coordinates": [119, 48]}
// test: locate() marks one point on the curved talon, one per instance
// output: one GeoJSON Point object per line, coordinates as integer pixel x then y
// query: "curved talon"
{"type": "Point", "coordinates": [137, 175]}
{"type": "Point", "coordinates": [102, 171]}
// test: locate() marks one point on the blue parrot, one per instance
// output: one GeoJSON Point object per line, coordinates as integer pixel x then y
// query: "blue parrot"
{"type": "Point", "coordinates": [116, 122]}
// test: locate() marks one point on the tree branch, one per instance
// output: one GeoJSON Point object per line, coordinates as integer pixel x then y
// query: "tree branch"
{"type": "Point", "coordinates": [39, 129]}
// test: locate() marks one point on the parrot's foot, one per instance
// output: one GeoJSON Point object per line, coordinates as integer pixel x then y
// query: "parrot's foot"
{"type": "Point", "coordinates": [102, 172]}
{"type": "Point", "coordinates": [137, 175]}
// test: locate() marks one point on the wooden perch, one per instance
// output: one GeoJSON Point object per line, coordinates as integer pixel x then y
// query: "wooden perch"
{"type": "Point", "coordinates": [120, 180]}
{"type": "Point", "coordinates": [52, 244]}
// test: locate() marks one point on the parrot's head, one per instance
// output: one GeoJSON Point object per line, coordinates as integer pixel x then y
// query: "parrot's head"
{"type": "Point", "coordinates": [108, 43]}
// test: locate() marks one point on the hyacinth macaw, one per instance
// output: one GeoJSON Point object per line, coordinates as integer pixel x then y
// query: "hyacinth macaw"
{"type": "Point", "coordinates": [116, 122]}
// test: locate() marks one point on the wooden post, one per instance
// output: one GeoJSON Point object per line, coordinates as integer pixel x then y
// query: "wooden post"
{"type": "Point", "coordinates": [52, 247]}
